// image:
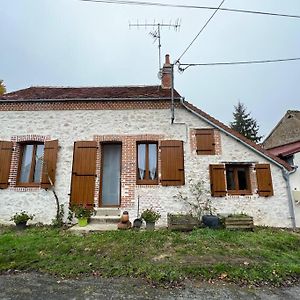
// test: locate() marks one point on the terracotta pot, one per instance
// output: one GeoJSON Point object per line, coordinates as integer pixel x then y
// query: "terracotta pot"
{"type": "Point", "coordinates": [125, 217]}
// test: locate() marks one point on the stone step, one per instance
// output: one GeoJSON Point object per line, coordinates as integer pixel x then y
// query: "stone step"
{"type": "Point", "coordinates": [104, 219]}
{"type": "Point", "coordinates": [93, 228]}
{"type": "Point", "coordinates": [108, 211]}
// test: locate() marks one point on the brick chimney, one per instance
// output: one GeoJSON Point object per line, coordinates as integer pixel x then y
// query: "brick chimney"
{"type": "Point", "coordinates": [166, 74]}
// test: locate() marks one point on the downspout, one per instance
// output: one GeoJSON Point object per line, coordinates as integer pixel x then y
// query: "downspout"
{"type": "Point", "coordinates": [286, 175]}
{"type": "Point", "coordinates": [172, 95]}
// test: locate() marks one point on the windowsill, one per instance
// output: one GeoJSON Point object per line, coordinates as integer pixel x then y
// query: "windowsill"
{"type": "Point", "coordinates": [28, 185]}
{"type": "Point", "coordinates": [239, 193]}
{"type": "Point", "coordinates": [147, 182]}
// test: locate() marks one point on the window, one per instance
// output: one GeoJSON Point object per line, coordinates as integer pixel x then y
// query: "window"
{"type": "Point", "coordinates": [147, 163]}
{"type": "Point", "coordinates": [31, 161]}
{"type": "Point", "coordinates": [238, 180]}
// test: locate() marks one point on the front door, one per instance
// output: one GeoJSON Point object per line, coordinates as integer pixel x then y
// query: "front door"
{"type": "Point", "coordinates": [111, 174]}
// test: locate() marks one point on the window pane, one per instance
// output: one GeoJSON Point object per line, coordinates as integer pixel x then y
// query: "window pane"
{"type": "Point", "coordinates": [38, 163]}
{"type": "Point", "coordinates": [152, 161]}
{"type": "Point", "coordinates": [26, 163]}
{"type": "Point", "coordinates": [230, 179]}
{"type": "Point", "coordinates": [242, 179]}
{"type": "Point", "coordinates": [141, 160]}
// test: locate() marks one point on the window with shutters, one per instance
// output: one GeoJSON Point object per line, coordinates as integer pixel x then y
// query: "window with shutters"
{"type": "Point", "coordinates": [147, 163]}
{"type": "Point", "coordinates": [30, 164]}
{"type": "Point", "coordinates": [205, 142]}
{"type": "Point", "coordinates": [238, 179]}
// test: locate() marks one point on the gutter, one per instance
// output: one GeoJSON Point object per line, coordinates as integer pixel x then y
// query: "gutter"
{"type": "Point", "coordinates": [4, 101]}
{"type": "Point", "coordinates": [286, 175]}
{"type": "Point", "coordinates": [285, 172]}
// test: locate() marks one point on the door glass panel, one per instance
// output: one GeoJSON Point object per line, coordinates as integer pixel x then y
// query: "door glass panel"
{"type": "Point", "coordinates": [111, 174]}
{"type": "Point", "coordinates": [26, 163]}
{"type": "Point", "coordinates": [38, 163]}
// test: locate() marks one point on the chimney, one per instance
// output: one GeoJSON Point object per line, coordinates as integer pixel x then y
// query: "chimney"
{"type": "Point", "coordinates": [166, 74]}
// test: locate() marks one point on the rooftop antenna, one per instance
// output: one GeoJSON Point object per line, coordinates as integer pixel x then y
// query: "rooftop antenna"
{"type": "Point", "coordinates": [156, 31]}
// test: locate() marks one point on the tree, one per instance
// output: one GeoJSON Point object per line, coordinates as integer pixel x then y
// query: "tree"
{"type": "Point", "coordinates": [2, 87]}
{"type": "Point", "coordinates": [244, 123]}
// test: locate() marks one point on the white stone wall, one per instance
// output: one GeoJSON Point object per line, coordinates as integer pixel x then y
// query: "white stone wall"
{"type": "Point", "coordinates": [295, 187]}
{"type": "Point", "coordinates": [69, 126]}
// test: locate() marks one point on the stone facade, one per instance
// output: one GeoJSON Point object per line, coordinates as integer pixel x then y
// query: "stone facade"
{"type": "Point", "coordinates": [129, 125]}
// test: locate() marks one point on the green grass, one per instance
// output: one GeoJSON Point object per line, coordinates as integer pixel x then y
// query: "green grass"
{"type": "Point", "coordinates": [267, 255]}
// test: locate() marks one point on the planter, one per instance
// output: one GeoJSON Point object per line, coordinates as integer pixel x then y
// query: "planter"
{"type": "Point", "coordinates": [21, 226]}
{"type": "Point", "coordinates": [239, 222]}
{"type": "Point", "coordinates": [150, 225]}
{"type": "Point", "coordinates": [137, 223]}
{"type": "Point", "coordinates": [211, 221]}
{"type": "Point", "coordinates": [182, 222]}
{"type": "Point", "coordinates": [82, 222]}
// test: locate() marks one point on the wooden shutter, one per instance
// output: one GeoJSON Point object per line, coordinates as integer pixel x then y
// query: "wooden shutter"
{"type": "Point", "coordinates": [172, 163]}
{"type": "Point", "coordinates": [264, 180]}
{"type": "Point", "coordinates": [217, 180]}
{"type": "Point", "coordinates": [84, 173]}
{"type": "Point", "coordinates": [6, 149]}
{"type": "Point", "coordinates": [205, 142]}
{"type": "Point", "coordinates": [49, 163]}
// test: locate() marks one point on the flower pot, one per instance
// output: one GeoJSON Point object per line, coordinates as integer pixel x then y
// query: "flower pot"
{"type": "Point", "coordinates": [211, 221]}
{"type": "Point", "coordinates": [21, 226]}
{"type": "Point", "coordinates": [137, 223]}
{"type": "Point", "coordinates": [82, 222]}
{"type": "Point", "coordinates": [125, 217]}
{"type": "Point", "coordinates": [150, 225]}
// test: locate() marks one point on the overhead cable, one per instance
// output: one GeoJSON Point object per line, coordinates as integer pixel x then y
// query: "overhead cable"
{"type": "Point", "coordinates": [188, 47]}
{"type": "Point", "coordinates": [143, 3]}
{"type": "Point", "coordinates": [183, 67]}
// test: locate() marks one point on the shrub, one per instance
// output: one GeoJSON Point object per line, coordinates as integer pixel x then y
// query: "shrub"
{"type": "Point", "coordinates": [21, 217]}
{"type": "Point", "coordinates": [150, 215]}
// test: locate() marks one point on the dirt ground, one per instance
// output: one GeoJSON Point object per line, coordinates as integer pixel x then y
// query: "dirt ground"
{"type": "Point", "coordinates": [40, 286]}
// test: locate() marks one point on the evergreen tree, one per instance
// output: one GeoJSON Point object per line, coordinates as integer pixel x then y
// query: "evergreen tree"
{"type": "Point", "coordinates": [2, 88]}
{"type": "Point", "coordinates": [244, 123]}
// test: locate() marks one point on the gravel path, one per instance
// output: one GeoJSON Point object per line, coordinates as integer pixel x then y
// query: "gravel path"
{"type": "Point", "coordinates": [38, 286]}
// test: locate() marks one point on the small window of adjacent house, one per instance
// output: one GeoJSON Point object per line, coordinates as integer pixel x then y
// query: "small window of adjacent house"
{"type": "Point", "coordinates": [147, 163]}
{"type": "Point", "coordinates": [31, 164]}
{"type": "Point", "coordinates": [238, 180]}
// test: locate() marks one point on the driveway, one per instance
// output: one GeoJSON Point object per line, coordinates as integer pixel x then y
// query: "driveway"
{"type": "Point", "coordinates": [38, 286]}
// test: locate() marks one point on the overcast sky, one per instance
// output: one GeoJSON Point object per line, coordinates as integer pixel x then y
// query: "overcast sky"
{"type": "Point", "coordinates": [75, 43]}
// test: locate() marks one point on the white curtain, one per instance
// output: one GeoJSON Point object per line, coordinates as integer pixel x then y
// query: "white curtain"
{"type": "Point", "coordinates": [142, 160]}
{"type": "Point", "coordinates": [152, 161]}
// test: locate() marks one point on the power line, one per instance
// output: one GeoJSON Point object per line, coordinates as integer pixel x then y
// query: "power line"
{"type": "Point", "coordinates": [142, 3]}
{"type": "Point", "coordinates": [188, 47]}
{"type": "Point", "coordinates": [236, 63]}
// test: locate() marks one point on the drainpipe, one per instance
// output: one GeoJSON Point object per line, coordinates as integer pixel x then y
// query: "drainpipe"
{"type": "Point", "coordinates": [172, 95]}
{"type": "Point", "coordinates": [286, 176]}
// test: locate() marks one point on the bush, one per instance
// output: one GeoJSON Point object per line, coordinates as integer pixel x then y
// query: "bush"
{"type": "Point", "coordinates": [21, 217]}
{"type": "Point", "coordinates": [150, 215]}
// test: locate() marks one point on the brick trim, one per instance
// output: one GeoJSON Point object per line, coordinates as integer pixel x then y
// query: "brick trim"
{"type": "Point", "coordinates": [128, 171]}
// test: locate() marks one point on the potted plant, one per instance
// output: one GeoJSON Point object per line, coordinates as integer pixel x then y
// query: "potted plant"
{"type": "Point", "coordinates": [82, 214]}
{"type": "Point", "coordinates": [21, 219]}
{"type": "Point", "coordinates": [150, 216]}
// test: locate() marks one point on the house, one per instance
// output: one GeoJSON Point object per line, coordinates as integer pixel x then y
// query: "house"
{"type": "Point", "coordinates": [284, 142]}
{"type": "Point", "coordinates": [114, 146]}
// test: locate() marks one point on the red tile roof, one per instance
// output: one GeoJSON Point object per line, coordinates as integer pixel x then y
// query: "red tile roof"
{"type": "Point", "coordinates": [61, 93]}
{"type": "Point", "coordinates": [238, 135]}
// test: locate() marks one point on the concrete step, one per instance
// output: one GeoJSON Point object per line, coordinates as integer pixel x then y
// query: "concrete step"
{"type": "Point", "coordinates": [104, 219]}
{"type": "Point", "coordinates": [108, 211]}
{"type": "Point", "coordinates": [93, 228]}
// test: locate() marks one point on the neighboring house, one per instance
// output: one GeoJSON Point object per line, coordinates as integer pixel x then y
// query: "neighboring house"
{"type": "Point", "coordinates": [284, 142]}
{"type": "Point", "coordinates": [110, 146]}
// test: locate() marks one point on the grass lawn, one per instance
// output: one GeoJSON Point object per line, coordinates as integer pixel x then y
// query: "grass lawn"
{"type": "Point", "coordinates": [263, 256]}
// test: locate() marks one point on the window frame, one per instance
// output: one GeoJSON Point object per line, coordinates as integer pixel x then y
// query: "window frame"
{"type": "Point", "coordinates": [31, 183]}
{"type": "Point", "coordinates": [146, 181]}
{"type": "Point", "coordinates": [235, 167]}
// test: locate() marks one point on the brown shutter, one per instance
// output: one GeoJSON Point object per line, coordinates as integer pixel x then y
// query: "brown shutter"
{"type": "Point", "coordinates": [205, 142]}
{"type": "Point", "coordinates": [49, 163]}
{"type": "Point", "coordinates": [172, 163]}
{"type": "Point", "coordinates": [84, 173]}
{"type": "Point", "coordinates": [6, 149]}
{"type": "Point", "coordinates": [264, 180]}
{"type": "Point", "coordinates": [217, 180]}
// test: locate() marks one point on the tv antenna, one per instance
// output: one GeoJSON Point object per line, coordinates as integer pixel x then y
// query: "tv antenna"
{"type": "Point", "coordinates": [156, 31]}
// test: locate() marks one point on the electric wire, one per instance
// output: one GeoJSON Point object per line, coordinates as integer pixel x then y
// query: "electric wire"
{"type": "Point", "coordinates": [180, 68]}
{"type": "Point", "coordinates": [188, 47]}
{"type": "Point", "coordinates": [142, 3]}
